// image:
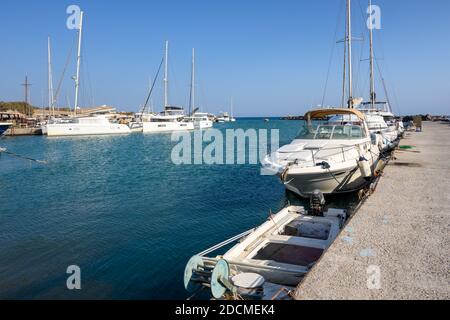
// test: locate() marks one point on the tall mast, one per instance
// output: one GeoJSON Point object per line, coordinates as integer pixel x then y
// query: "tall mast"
{"type": "Point", "coordinates": [192, 102]}
{"type": "Point", "coordinates": [344, 80]}
{"type": "Point", "coordinates": [349, 53]}
{"type": "Point", "coordinates": [29, 108]}
{"type": "Point", "coordinates": [77, 77]}
{"type": "Point", "coordinates": [51, 105]}
{"type": "Point", "coordinates": [166, 80]}
{"type": "Point", "coordinates": [231, 107]}
{"type": "Point", "coordinates": [372, 82]}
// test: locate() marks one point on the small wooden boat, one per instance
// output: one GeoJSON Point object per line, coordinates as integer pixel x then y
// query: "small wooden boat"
{"type": "Point", "coordinates": [266, 259]}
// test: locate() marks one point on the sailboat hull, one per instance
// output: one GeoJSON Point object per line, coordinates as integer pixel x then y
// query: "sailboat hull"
{"type": "Point", "coordinates": [149, 127]}
{"type": "Point", "coordinates": [69, 129]}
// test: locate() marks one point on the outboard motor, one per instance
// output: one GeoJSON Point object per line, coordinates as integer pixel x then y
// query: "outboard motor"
{"type": "Point", "coordinates": [317, 203]}
{"type": "Point", "coordinates": [249, 286]}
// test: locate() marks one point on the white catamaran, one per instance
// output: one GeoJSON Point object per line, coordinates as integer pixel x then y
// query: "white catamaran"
{"type": "Point", "coordinates": [172, 118]}
{"type": "Point", "coordinates": [76, 126]}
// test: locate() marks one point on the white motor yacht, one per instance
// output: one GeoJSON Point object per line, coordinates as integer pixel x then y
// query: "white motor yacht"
{"type": "Point", "coordinates": [201, 120]}
{"type": "Point", "coordinates": [332, 157]}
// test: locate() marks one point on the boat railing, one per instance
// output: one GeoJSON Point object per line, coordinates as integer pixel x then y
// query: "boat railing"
{"type": "Point", "coordinates": [299, 269]}
{"type": "Point", "coordinates": [226, 242]}
{"type": "Point", "coordinates": [342, 149]}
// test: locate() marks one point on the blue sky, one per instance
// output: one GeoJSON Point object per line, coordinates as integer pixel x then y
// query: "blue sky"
{"type": "Point", "coordinates": [271, 56]}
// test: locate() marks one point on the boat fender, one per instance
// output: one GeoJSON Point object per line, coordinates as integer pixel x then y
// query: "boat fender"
{"type": "Point", "coordinates": [364, 167]}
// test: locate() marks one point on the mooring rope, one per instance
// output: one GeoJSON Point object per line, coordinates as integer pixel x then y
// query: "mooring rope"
{"type": "Point", "coordinates": [4, 150]}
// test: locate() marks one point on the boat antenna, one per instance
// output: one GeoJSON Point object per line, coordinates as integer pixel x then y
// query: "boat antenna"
{"type": "Point", "coordinates": [151, 88]}
{"type": "Point", "coordinates": [372, 82]}
{"type": "Point", "coordinates": [77, 77]}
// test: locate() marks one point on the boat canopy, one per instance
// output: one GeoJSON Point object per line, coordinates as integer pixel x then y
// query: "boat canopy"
{"type": "Point", "coordinates": [322, 113]}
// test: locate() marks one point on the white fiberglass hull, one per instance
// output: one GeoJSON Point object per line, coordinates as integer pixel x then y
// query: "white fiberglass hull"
{"type": "Point", "coordinates": [203, 124]}
{"type": "Point", "coordinates": [339, 175]}
{"type": "Point", "coordinates": [339, 178]}
{"type": "Point", "coordinates": [77, 129]}
{"type": "Point", "coordinates": [149, 127]}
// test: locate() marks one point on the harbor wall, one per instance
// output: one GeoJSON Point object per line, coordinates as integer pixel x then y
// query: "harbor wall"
{"type": "Point", "coordinates": [397, 245]}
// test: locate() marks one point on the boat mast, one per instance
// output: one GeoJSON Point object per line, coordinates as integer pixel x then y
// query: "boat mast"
{"type": "Point", "coordinates": [192, 102]}
{"type": "Point", "coordinates": [166, 80]}
{"type": "Point", "coordinates": [77, 77]}
{"type": "Point", "coordinates": [344, 80]}
{"type": "Point", "coordinates": [231, 107]}
{"type": "Point", "coordinates": [349, 52]}
{"type": "Point", "coordinates": [372, 82]}
{"type": "Point", "coordinates": [51, 99]}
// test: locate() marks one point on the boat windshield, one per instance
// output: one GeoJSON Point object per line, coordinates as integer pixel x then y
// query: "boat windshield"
{"type": "Point", "coordinates": [331, 132]}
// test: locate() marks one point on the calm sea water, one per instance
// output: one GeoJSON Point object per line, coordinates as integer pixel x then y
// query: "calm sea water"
{"type": "Point", "coordinates": [122, 211]}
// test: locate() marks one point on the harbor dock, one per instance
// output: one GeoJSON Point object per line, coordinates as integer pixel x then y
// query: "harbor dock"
{"type": "Point", "coordinates": [397, 245]}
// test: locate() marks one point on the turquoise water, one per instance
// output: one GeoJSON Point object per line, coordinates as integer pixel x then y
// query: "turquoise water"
{"type": "Point", "coordinates": [122, 211]}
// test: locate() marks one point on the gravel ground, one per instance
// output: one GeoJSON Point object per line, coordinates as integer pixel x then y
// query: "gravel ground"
{"type": "Point", "coordinates": [397, 246]}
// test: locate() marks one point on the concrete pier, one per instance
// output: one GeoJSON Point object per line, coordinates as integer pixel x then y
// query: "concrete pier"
{"type": "Point", "coordinates": [397, 246]}
{"type": "Point", "coordinates": [23, 131]}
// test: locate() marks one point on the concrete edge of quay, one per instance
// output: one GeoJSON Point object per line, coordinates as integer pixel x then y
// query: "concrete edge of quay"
{"type": "Point", "coordinates": [397, 245]}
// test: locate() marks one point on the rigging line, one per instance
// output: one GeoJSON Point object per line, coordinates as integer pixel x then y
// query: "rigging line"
{"type": "Point", "coordinates": [203, 98]}
{"type": "Point", "coordinates": [383, 83]}
{"type": "Point", "coordinates": [151, 89]}
{"type": "Point", "coordinates": [380, 75]}
{"type": "Point", "coordinates": [364, 33]}
{"type": "Point", "coordinates": [22, 157]}
{"type": "Point", "coordinates": [379, 40]}
{"type": "Point", "coordinates": [332, 54]}
{"type": "Point", "coordinates": [64, 71]}
{"type": "Point", "coordinates": [358, 72]}
{"type": "Point", "coordinates": [172, 75]}
{"type": "Point", "coordinates": [88, 77]}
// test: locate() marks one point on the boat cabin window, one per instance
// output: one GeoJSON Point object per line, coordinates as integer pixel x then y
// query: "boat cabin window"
{"type": "Point", "coordinates": [162, 120]}
{"type": "Point", "coordinates": [331, 132]}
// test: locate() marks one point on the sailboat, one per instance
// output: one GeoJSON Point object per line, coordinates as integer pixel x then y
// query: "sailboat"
{"type": "Point", "coordinates": [225, 116]}
{"type": "Point", "coordinates": [380, 118]}
{"type": "Point", "coordinates": [200, 119]}
{"type": "Point", "coordinates": [334, 151]}
{"type": "Point", "coordinates": [76, 126]}
{"type": "Point", "coordinates": [232, 118]}
{"type": "Point", "coordinates": [172, 118]}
